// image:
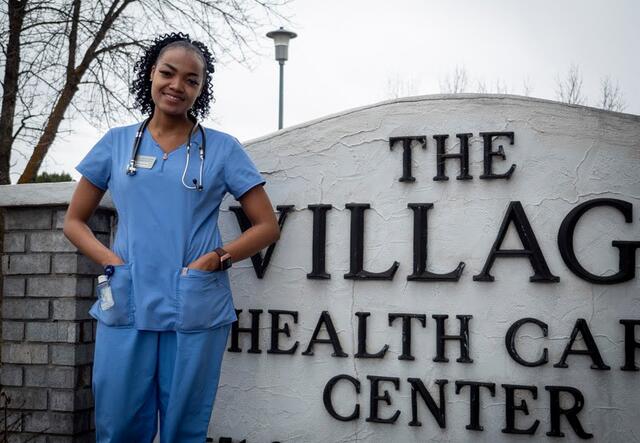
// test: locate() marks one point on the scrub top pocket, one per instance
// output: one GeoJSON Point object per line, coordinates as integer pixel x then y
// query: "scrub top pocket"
{"type": "Point", "coordinates": [204, 301]}
{"type": "Point", "coordinates": [121, 313]}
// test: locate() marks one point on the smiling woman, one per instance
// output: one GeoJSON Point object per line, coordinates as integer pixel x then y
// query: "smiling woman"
{"type": "Point", "coordinates": [176, 79]}
{"type": "Point", "coordinates": [166, 308]}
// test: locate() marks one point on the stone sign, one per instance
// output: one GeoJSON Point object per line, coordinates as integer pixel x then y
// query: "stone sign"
{"type": "Point", "coordinates": [451, 268]}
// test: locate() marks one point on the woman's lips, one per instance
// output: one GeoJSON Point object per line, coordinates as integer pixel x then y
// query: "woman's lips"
{"type": "Point", "coordinates": [172, 98]}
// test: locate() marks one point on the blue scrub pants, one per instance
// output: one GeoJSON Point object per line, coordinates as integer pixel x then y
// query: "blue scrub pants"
{"type": "Point", "coordinates": [138, 373]}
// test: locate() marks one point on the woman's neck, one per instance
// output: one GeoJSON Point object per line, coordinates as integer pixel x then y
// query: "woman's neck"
{"type": "Point", "coordinates": [163, 124]}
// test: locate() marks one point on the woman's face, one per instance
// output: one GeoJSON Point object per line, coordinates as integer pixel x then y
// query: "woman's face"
{"type": "Point", "coordinates": [176, 81]}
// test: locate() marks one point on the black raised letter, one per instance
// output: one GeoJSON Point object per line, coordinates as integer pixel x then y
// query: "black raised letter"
{"type": "Point", "coordinates": [362, 338]}
{"type": "Point", "coordinates": [627, 255]}
{"type": "Point", "coordinates": [333, 339]}
{"type": "Point", "coordinates": [319, 242]}
{"type": "Point", "coordinates": [463, 337]}
{"type": "Point", "coordinates": [259, 264]}
{"type": "Point", "coordinates": [276, 330]}
{"type": "Point", "coordinates": [375, 397]}
{"type": "Point", "coordinates": [438, 412]}
{"type": "Point", "coordinates": [592, 349]}
{"type": "Point", "coordinates": [555, 411]}
{"type": "Point", "coordinates": [328, 404]}
{"type": "Point", "coordinates": [489, 153]}
{"type": "Point", "coordinates": [254, 330]}
{"type": "Point", "coordinates": [420, 273]}
{"type": "Point", "coordinates": [463, 156]}
{"type": "Point", "coordinates": [356, 268]}
{"type": "Point", "coordinates": [630, 345]}
{"type": "Point", "coordinates": [406, 332]}
{"type": "Point", "coordinates": [474, 400]}
{"type": "Point", "coordinates": [515, 214]}
{"type": "Point", "coordinates": [510, 342]}
{"type": "Point", "coordinates": [406, 153]}
{"type": "Point", "coordinates": [511, 408]}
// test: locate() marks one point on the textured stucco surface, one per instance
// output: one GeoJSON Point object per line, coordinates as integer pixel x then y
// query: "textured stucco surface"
{"type": "Point", "coordinates": [564, 154]}
{"type": "Point", "coordinates": [43, 194]}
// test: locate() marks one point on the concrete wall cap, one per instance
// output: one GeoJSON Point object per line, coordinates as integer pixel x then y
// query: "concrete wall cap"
{"type": "Point", "coordinates": [43, 194]}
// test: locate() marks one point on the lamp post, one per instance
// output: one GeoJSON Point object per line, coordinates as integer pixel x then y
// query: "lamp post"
{"type": "Point", "coordinates": [281, 39]}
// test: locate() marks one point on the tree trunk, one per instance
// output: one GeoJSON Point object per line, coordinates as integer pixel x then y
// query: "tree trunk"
{"type": "Point", "coordinates": [17, 10]}
{"type": "Point", "coordinates": [49, 133]}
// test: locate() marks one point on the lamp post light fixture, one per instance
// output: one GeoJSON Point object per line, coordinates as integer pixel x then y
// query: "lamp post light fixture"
{"type": "Point", "coordinates": [281, 39]}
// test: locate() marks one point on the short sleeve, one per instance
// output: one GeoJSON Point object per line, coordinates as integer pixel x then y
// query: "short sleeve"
{"type": "Point", "coordinates": [240, 174]}
{"type": "Point", "coordinates": [96, 165]}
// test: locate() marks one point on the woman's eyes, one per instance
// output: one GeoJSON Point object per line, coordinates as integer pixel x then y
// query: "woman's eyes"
{"type": "Point", "coordinates": [168, 74]}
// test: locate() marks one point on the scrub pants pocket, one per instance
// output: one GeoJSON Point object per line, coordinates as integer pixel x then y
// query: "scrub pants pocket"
{"type": "Point", "coordinates": [204, 301]}
{"type": "Point", "coordinates": [121, 313]}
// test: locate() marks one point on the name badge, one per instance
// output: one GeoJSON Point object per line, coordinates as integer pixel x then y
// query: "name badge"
{"type": "Point", "coordinates": [145, 161]}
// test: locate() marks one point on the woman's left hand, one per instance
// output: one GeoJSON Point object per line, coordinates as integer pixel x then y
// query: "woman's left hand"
{"type": "Point", "coordinates": [208, 262]}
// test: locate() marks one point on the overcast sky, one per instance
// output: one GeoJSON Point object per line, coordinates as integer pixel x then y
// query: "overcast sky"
{"type": "Point", "coordinates": [358, 52]}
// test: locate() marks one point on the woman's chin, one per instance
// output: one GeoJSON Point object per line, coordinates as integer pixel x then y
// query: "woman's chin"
{"type": "Point", "coordinates": [172, 111]}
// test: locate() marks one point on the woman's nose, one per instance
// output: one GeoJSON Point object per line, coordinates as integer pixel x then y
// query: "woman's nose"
{"type": "Point", "coordinates": [176, 84]}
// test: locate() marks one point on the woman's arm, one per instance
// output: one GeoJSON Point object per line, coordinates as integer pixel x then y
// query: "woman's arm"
{"type": "Point", "coordinates": [263, 232]}
{"type": "Point", "coordinates": [84, 201]}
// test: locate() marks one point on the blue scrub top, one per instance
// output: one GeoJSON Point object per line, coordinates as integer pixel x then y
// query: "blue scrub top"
{"type": "Point", "coordinates": [163, 226]}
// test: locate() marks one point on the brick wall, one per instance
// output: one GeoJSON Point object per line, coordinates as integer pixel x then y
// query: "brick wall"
{"type": "Point", "coordinates": [47, 333]}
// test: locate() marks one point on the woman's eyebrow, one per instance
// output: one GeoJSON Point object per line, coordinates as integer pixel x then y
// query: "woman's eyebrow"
{"type": "Point", "coordinates": [175, 69]}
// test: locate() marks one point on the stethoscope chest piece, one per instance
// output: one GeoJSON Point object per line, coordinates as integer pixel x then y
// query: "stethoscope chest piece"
{"type": "Point", "coordinates": [131, 168]}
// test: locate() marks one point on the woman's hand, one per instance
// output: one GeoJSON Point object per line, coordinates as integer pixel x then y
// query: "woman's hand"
{"type": "Point", "coordinates": [208, 262]}
{"type": "Point", "coordinates": [115, 260]}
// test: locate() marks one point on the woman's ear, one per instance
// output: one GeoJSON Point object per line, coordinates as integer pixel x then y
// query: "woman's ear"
{"type": "Point", "coordinates": [153, 69]}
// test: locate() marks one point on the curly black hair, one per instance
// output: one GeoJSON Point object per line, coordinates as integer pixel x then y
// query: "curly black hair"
{"type": "Point", "coordinates": [141, 86]}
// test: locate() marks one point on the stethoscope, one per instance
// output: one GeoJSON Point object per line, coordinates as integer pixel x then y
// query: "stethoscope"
{"type": "Point", "coordinates": [197, 184]}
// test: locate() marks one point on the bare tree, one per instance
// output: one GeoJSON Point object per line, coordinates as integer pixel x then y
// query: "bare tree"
{"type": "Point", "coordinates": [610, 96]}
{"type": "Point", "coordinates": [399, 87]}
{"type": "Point", "coordinates": [569, 88]}
{"type": "Point", "coordinates": [63, 57]}
{"type": "Point", "coordinates": [527, 87]}
{"type": "Point", "coordinates": [455, 82]}
{"type": "Point", "coordinates": [501, 87]}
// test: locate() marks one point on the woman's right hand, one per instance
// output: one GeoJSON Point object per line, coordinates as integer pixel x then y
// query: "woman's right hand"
{"type": "Point", "coordinates": [114, 260]}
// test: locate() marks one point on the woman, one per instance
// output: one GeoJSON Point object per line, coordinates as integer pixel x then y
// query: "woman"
{"type": "Point", "coordinates": [158, 349]}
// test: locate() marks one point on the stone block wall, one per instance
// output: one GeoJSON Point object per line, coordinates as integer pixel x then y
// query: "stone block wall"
{"type": "Point", "coordinates": [47, 333]}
